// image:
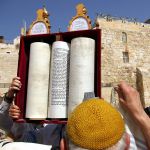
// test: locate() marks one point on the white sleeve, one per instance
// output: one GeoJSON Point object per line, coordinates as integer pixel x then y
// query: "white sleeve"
{"type": "Point", "coordinates": [25, 146]}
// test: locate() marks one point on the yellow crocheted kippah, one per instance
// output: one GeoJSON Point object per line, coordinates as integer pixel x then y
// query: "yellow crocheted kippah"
{"type": "Point", "coordinates": [95, 125]}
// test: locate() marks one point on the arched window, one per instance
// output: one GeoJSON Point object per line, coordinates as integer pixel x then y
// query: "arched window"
{"type": "Point", "coordinates": [124, 37]}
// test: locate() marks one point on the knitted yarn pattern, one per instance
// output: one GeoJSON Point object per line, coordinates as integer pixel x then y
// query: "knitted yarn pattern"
{"type": "Point", "coordinates": [95, 125]}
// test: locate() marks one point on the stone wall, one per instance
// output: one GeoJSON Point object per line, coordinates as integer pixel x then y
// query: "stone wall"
{"type": "Point", "coordinates": [143, 85]}
{"type": "Point", "coordinates": [8, 65]}
{"type": "Point", "coordinates": [137, 45]}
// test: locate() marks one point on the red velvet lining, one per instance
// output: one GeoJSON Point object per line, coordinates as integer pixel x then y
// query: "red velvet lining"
{"type": "Point", "coordinates": [50, 38]}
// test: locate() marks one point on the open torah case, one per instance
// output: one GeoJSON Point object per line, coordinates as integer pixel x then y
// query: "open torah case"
{"type": "Point", "coordinates": [74, 39]}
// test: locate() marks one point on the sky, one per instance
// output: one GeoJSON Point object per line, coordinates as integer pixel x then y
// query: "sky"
{"type": "Point", "coordinates": [14, 12]}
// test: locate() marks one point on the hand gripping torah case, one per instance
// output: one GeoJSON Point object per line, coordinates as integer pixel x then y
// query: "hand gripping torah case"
{"type": "Point", "coordinates": [51, 78]}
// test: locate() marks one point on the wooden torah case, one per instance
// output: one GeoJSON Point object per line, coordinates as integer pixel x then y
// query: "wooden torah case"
{"type": "Point", "coordinates": [26, 44]}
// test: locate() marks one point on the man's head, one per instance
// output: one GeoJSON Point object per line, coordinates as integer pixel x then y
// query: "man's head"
{"type": "Point", "coordinates": [95, 124]}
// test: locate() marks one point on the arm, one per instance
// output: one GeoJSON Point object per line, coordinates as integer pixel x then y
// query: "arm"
{"type": "Point", "coordinates": [14, 111]}
{"type": "Point", "coordinates": [14, 87]}
{"type": "Point", "coordinates": [130, 100]}
{"type": "Point", "coordinates": [9, 96]}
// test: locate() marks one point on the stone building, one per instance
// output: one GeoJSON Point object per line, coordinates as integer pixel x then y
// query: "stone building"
{"type": "Point", "coordinates": [8, 63]}
{"type": "Point", "coordinates": [125, 56]}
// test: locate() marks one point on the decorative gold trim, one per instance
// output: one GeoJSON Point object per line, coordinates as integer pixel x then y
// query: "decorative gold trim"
{"type": "Point", "coordinates": [81, 12]}
{"type": "Point", "coordinates": [42, 16]}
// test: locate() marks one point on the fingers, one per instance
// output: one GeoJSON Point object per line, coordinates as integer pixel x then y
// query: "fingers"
{"type": "Point", "coordinates": [124, 87]}
{"type": "Point", "coordinates": [124, 93]}
{"type": "Point", "coordinates": [16, 84]}
{"type": "Point", "coordinates": [14, 88]}
{"type": "Point", "coordinates": [118, 90]}
{"type": "Point", "coordinates": [62, 144]}
{"type": "Point", "coordinates": [14, 111]}
{"type": "Point", "coordinates": [124, 90]}
{"type": "Point", "coordinates": [16, 78]}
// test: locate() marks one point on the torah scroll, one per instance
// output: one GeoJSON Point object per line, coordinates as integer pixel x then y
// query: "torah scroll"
{"type": "Point", "coordinates": [58, 91]}
{"type": "Point", "coordinates": [38, 80]}
{"type": "Point", "coordinates": [81, 78]}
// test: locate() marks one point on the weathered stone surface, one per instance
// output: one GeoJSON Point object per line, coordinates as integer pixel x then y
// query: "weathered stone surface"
{"type": "Point", "coordinates": [8, 64]}
{"type": "Point", "coordinates": [137, 45]}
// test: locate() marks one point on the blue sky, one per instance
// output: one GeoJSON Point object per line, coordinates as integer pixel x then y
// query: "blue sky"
{"type": "Point", "coordinates": [13, 12]}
